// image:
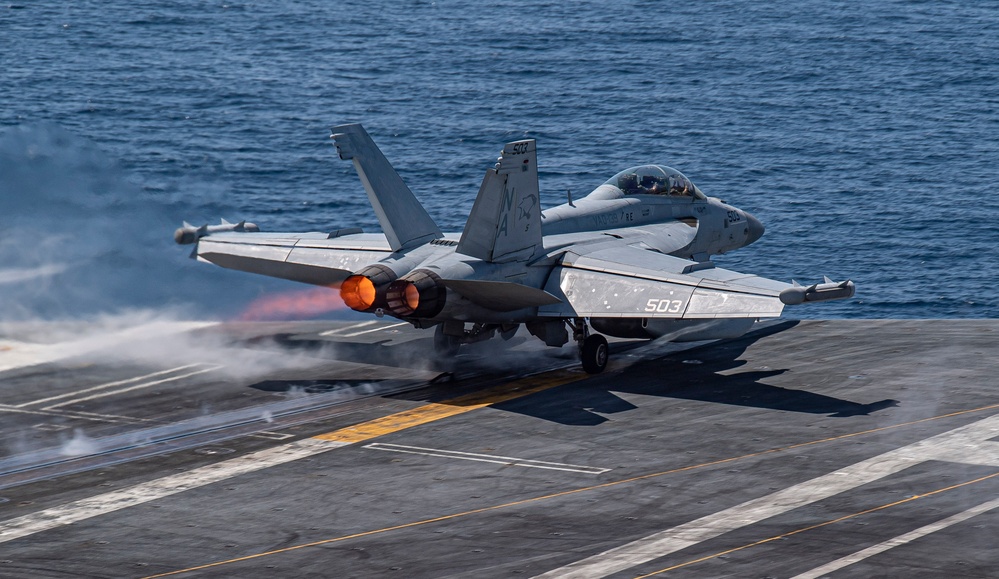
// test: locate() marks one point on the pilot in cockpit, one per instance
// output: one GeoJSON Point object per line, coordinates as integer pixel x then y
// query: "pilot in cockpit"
{"type": "Point", "coordinates": [652, 185]}
{"type": "Point", "coordinates": [628, 183]}
{"type": "Point", "coordinates": [679, 186]}
{"type": "Point", "coordinates": [654, 180]}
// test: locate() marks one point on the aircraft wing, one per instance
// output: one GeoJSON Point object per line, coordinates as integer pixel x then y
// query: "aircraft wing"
{"type": "Point", "coordinates": [316, 258]}
{"type": "Point", "coordinates": [627, 282]}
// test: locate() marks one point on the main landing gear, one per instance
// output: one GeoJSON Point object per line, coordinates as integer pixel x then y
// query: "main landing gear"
{"type": "Point", "coordinates": [449, 336]}
{"type": "Point", "coordinates": [446, 345]}
{"type": "Point", "coordinates": [593, 350]}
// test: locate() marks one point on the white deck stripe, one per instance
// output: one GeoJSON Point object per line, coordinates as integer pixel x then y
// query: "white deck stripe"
{"type": "Point", "coordinates": [131, 388]}
{"type": "Point", "coordinates": [156, 489]}
{"type": "Point", "coordinates": [96, 416]}
{"type": "Point", "coordinates": [968, 444]}
{"type": "Point", "coordinates": [351, 335]}
{"type": "Point", "coordinates": [16, 410]}
{"type": "Point", "coordinates": [506, 460]}
{"type": "Point", "coordinates": [898, 541]}
{"type": "Point", "coordinates": [350, 327]}
{"type": "Point", "coordinates": [75, 415]}
{"type": "Point", "coordinates": [102, 387]}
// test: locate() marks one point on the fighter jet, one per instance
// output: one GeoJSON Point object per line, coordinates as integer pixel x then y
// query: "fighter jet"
{"type": "Point", "coordinates": [632, 259]}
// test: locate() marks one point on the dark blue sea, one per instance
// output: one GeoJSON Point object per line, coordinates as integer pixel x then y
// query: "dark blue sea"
{"type": "Point", "coordinates": [865, 135]}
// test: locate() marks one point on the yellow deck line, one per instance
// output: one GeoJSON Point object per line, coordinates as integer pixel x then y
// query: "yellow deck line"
{"type": "Point", "coordinates": [438, 410]}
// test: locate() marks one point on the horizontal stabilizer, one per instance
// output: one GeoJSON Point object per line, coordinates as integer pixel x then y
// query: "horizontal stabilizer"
{"type": "Point", "coordinates": [405, 222]}
{"type": "Point", "coordinates": [505, 222]}
{"type": "Point", "coordinates": [501, 296]}
{"type": "Point", "coordinates": [819, 292]}
{"type": "Point", "coordinates": [323, 276]}
{"type": "Point", "coordinates": [309, 258]}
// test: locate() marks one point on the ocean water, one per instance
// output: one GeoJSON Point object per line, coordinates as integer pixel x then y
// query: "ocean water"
{"type": "Point", "coordinates": [864, 135]}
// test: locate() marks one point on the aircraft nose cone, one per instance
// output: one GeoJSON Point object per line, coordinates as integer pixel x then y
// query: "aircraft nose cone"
{"type": "Point", "coordinates": [756, 229]}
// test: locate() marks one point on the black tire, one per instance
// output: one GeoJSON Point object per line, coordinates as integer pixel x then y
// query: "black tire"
{"type": "Point", "coordinates": [445, 345]}
{"type": "Point", "coordinates": [594, 354]}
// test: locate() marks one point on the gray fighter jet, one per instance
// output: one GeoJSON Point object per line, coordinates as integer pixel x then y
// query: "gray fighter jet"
{"type": "Point", "coordinates": [631, 259]}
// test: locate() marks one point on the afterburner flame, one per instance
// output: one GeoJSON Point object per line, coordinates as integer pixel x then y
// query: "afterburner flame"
{"type": "Point", "coordinates": [402, 297]}
{"type": "Point", "coordinates": [295, 305]}
{"type": "Point", "coordinates": [412, 297]}
{"type": "Point", "coordinates": [420, 293]}
{"type": "Point", "coordinates": [358, 292]}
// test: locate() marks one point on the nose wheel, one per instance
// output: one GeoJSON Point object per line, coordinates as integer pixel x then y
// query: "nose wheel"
{"type": "Point", "coordinates": [593, 350]}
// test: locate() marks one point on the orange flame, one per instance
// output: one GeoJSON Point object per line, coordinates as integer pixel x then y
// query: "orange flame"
{"type": "Point", "coordinates": [294, 305]}
{"type": "Point", "coordinates": [358, 293]}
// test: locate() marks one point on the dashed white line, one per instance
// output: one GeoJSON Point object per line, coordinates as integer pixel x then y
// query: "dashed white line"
{"type": "Point", "coordinates": [505, 460]}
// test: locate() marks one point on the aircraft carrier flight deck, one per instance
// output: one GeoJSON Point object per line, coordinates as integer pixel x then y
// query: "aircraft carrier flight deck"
{"type": "Point", "coordinates": [839, 448]}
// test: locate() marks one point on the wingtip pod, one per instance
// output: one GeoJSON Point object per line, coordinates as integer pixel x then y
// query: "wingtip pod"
{"type": "Point", "coordinates": [819, 292]}
{"type": "Point", "coordinates": [189, 234]}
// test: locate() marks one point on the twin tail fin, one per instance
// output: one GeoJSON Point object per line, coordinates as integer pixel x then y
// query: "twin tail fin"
{"type": "Point", "coordinates": [405, 222]}
{"type": "Point", "coordinates": [505, 222]}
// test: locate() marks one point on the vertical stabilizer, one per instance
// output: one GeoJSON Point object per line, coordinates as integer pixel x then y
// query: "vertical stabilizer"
{"type": "Point", "coordinates": [405, 222]}
{"type": "Point", "coordinates": [505, 222]}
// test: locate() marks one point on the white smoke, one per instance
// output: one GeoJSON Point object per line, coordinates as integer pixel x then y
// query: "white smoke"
{"type": "Point", "coordinates": [84, 245]}
{"type": "Point", "coordinates": [89, 273]}
{"type": "Point", "coordinates": [79, 236]}
{"type": "Point", "coordinates": [79, 445]}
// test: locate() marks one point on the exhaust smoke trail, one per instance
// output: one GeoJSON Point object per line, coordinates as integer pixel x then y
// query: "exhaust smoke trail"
{"type": "Point", "coordinates": [90, 275]}
{"type": "Point", "coordinates": [89, 267]}
{"type": "Point", "coordinates": [81, 237]}
{"type": "Point", "coordinates": [294, 305]}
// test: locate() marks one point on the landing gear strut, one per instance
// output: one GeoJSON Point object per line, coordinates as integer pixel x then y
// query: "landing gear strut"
{"type": "Point", "coordinates": [445, 345]}
{"type": "Point", "coordinates": [449, 336]}
{"type": "Point", "coordinates": [593, 349]}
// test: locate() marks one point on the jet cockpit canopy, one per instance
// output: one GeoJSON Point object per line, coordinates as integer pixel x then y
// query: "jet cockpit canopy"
{"type": "Point", "coordinates": [654, 180]}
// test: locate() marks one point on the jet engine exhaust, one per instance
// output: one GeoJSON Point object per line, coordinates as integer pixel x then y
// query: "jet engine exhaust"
{"type": "Point", "coordinates": [418, 294]}
{"type": "Point", "coordinates": [293, 305]}
{"type": "Point", "coordinates": [364, 291]}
